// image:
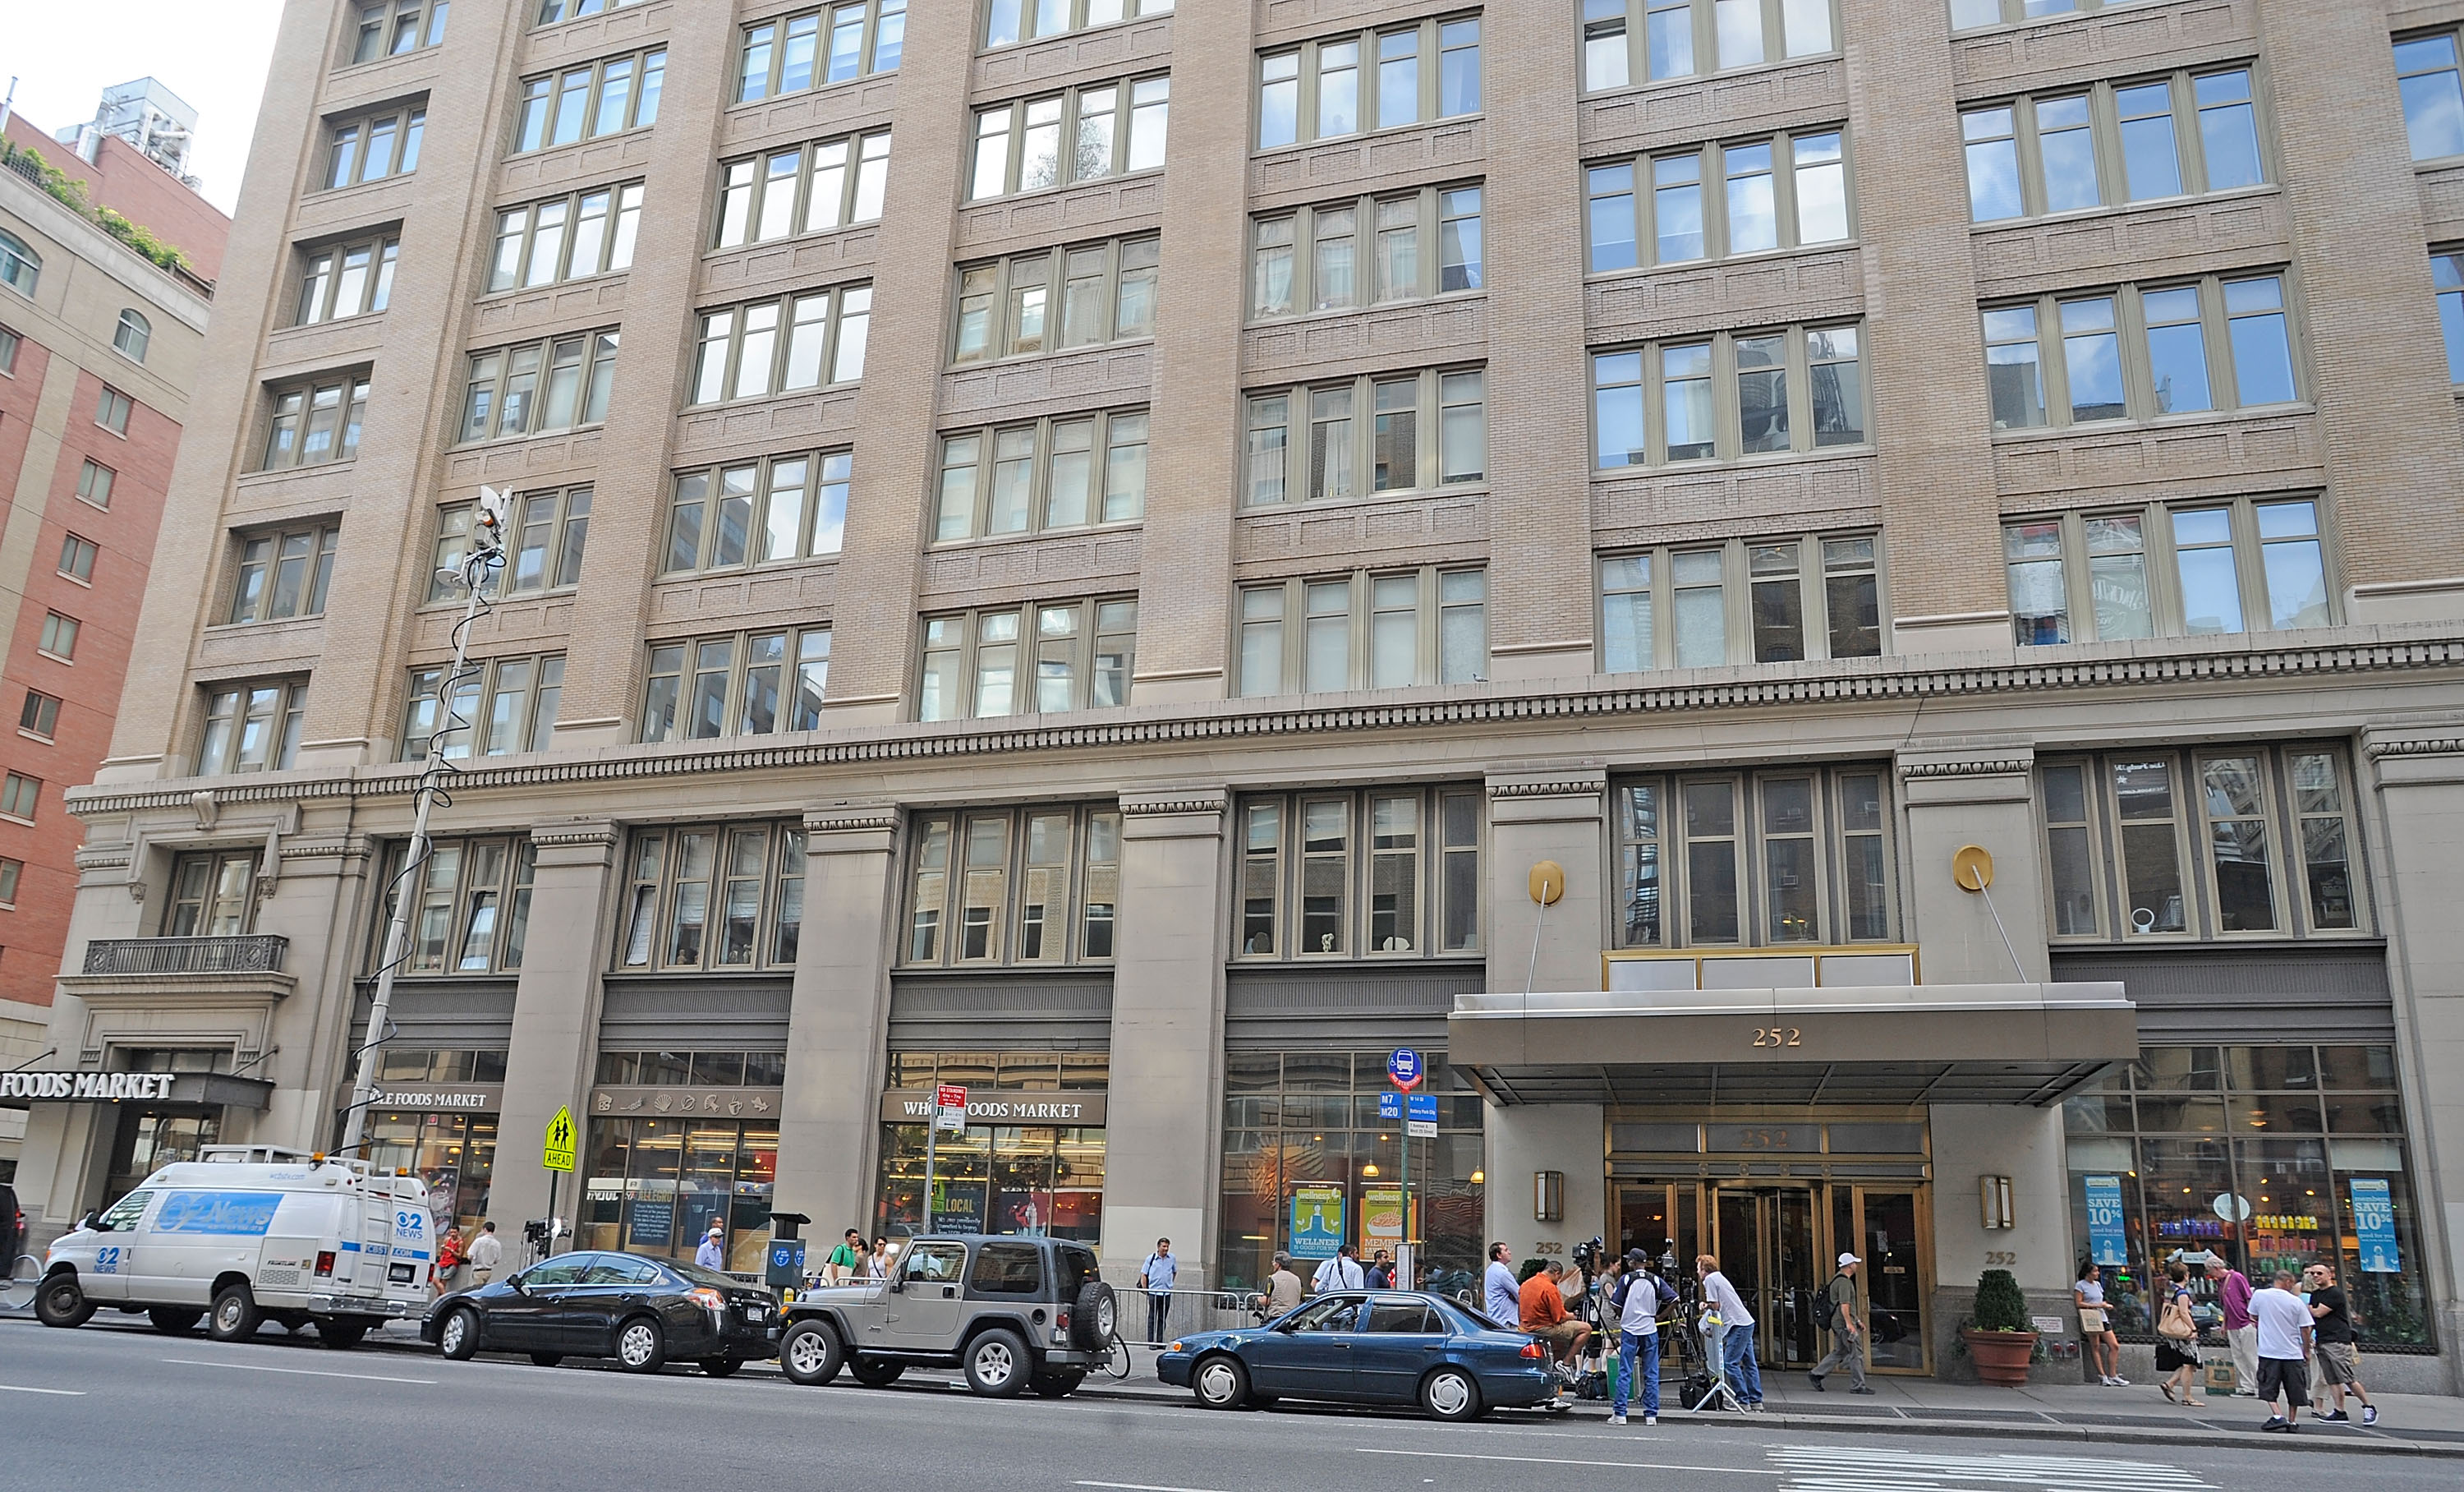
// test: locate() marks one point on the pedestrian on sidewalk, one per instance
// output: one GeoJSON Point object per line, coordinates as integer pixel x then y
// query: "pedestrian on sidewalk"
{"type": "Point", "coordinates": [846, 1263]}
{"type": "Point", "coordinates": [1847, 1332]}
{"type": "Point", "coordinates": [1541, 1308]}
{"type": "Point", "coordinates": [1343, 1272]}
{"type": "Point", "coordinates": [1500, 1300]}
{"type": "Point", "coordinates": [2284, 1329]}
{"type": "Point", "coordinates": [1737, 1364]}
{"type": "Point", "coordinates": [876, 1261]}
{"type": "Point", "coordinates": [1640, 1295]}
{"type": "Point", "coordinates": [448, 1261]}
{"type": "Point", "coordinates": [1156, 1280]}
{"type": "Point", "coordinates": [1283, 1290]}
{"type": "Point", "coordinates": [712, 1253]}
{"type": "Point", "coordinates": [2339, 1355]}
{"type": "Point", "coordinates": [487, 1252]}
{"type": "Point", "coordinates": [2177, 1335]}
{"type": "Point", "coordinates": [2241, 1332]}
{"type": "Point", "coordinates": [1381, 1271]}
{"type": "Point", "coordinates": [2096, 1326]}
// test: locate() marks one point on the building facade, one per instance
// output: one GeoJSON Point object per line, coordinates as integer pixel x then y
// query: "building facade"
{"type": "Point", "coordinates": [1845, 613]}
{"type": "Point", "coordinates": [99, 347]}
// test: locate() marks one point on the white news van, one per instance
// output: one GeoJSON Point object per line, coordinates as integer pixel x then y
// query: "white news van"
{"type": "Point", "coordinates": [246, 1232]}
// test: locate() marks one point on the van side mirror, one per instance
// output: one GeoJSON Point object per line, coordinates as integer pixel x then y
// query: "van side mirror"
{"type": "Point", "coordinates": [93, 1221]}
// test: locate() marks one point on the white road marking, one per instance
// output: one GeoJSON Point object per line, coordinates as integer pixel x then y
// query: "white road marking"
{"type": "Point", "coordinates": [1842, 1469]}
{"type": "Point", "coordinates": [304, 1372]}
{"type": "Point", "coordinates": [1138, 1487]}
{"type": "Point", "coordinates": [69, 1393]}
{"type": "Point", "coordinates": [1560, 1460]}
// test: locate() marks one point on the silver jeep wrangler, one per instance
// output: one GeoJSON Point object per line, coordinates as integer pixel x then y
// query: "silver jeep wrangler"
{"type": "Point", "coordinates": [1015, 1312]}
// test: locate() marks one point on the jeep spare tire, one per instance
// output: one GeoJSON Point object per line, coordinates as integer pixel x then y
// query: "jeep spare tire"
{"type": "Point", "coordinates": [1094, 1317]}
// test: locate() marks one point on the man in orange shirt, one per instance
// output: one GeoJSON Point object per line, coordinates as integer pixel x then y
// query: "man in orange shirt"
{"type": "Point", "coordinates": [1544, 1314]}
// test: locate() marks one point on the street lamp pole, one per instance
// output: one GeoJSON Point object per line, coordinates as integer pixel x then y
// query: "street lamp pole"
{"type": "Point", "coordinates": [487, 554]}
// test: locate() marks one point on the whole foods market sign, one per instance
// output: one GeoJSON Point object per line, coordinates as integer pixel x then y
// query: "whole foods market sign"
{"type": "Point", "coordinates": [86, 1088]}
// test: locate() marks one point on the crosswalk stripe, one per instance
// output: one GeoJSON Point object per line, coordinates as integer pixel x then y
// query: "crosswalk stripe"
{"type": "Point", "coordinates": [1827, 1469]}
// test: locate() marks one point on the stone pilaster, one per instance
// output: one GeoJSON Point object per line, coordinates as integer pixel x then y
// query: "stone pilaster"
{"type": "Point", "coordinates": [556, 1014]}
{"type": "Point", "coordinates": [838, 1020]}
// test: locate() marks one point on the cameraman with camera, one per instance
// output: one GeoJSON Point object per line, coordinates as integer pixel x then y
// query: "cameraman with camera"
{"type": "Point", "coordinates": [1638, 1299]}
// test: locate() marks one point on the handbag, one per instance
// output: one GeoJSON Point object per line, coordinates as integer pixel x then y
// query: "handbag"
{"type": "Point", "coordinates": [2177, 1324]}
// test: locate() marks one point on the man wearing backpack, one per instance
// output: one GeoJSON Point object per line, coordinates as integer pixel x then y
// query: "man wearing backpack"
{"type": "Point", "coordinates": [1638, 1301]}
{"type": "Point", "coordinates": [1847, 1334]}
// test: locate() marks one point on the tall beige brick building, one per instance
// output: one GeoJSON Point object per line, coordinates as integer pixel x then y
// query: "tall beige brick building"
{"type": "Point", "coordinates": [1115, 554]}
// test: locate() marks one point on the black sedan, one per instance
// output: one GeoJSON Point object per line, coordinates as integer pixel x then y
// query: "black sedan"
{"type": "Point", "coordinates": [640, 1311]}
{"type": "Point", "coordinates": [1366, 1348]}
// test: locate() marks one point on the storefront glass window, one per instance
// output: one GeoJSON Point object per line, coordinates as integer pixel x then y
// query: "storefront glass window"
{"type": "Point", "coordinates": [454, 1153]}
{"type": "Point", "coordinates": [655, 1185]}
{"type": "Point", "coordinates": [994, 1178]}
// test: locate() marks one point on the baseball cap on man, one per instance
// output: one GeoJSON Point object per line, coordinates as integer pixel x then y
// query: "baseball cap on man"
{"type": "Point", "coordinates": [1846, 1259]}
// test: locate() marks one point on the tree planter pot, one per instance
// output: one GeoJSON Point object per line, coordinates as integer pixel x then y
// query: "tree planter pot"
{"type": "Point", "coordinates": [2001, 1356]}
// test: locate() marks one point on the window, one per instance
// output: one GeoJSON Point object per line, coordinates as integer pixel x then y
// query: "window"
{"type": "Point", "coordinates": [603, 97]}
{"type": "Point", "coordinates": [551, 11]}
{"type": "Point", "coordinates": [1634, 41]}
{"type": "Point", "coordinates": [2447, 274]}
{"type": "Point", "coordinates": [2187, 133]}
{"type": "Point", "coordinates": [210, 894]}
{"type": "Point", "coordinates": [1364, 631]}
{"type": "Point", "coordinates": [778, 346]}
{"type": "Point", "coordinates": [283, 574]}
{"type": "Point", "coordinates": [497, 707]}
{"type": "Point", "coordinates": [2205, 844]}
{"type": "Point", "coordinates": [2235, 564]}
{"type": "Point", "coordinates": [316, 421]}
{"type": "Point", "coordinates": [338, 281]}
{"type": "Point", "coordinates": [1966, 15]}
{"type": "Point", "coordinates": [782, 507]}
{"type": "Point", "coordinates": [134, 334]}
{"type": "Point", "coordinates": [59, 636]}
{"type": "Point", "coordinates": [251, 727]}
{"type": "Point", "coordinates": [11, 872]}
{"type": "Point", "coordinates": [1727, 395]}
{"type": "Point", "coordinates": [40, 714]}
{"type": "Point", "coordinates": [1035, 885]}
{"type": "Point", "coordinates": [77, 557]}
{"type": "Point", "coordinates": [805, 188]}
{"type": "Point", "coordinates": [1797, 855]}
{"type": "Point", "coordinates": [391, 27]}
{"type": "Point", "coordinates": [1057, 300]}
{"type": "Point", "coordinates": [1062, 471]}
{"type": "Point", "coordinates": [1360, 875]}
{"type": "Point", "coordinates": [2425, 80]}
{"type": "Point", "coordinates": [729, 1069]}
{"type": "Point", "coordinates": [545, 243]}
{"type": "Point", "coordinates": [111, 410]}
{"type": "Point", "coordinates": [2140, 352]}
{"type": "Point", "coordinates": [819, 48]}
{"type": "Point", "coordinates": [1008, 22]}
{"type": "Point", "coordinates": [538, 387]}
{"type": "Point", "coordinates": [20, 266]}
{"type": "Point", "coordinates": [542, 550]}
{"type": "Point", "coordinates": [1404, 432]}
{"type": "Point", "coordinates": [1040, 657]}
{"type": "Point", "coordinates": [1342, 255]}
{"type": "Point", "coordinates": [748, 878]}
{"type": "Point", "coordinates": [1788, 192]}
{"type": "Point", "coordinates": [9, 341]}
{"type": "Point", "coordinates": [1341, 85]}
{"type": "Point", "coordinates": [1089, 133]}
{"type": "Point", "coordinates": [19, 797]}
{"type": "Point", "coordinates": [470, 907]}
{"type": "Point", "coordinates": [94, 484]}
{"type": "Point", "coordinates": [747, 683]}
{"type": "Point", "coordinates": [1752, 601]}
{"type": "Point", "coordinates": [371, 148]}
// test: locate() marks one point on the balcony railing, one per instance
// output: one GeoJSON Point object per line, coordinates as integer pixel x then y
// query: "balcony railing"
{"type": "Point", "coordinates": [259, 953]}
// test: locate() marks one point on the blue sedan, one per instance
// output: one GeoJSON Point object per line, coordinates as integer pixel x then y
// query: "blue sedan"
{"type": "Point", "coordinates": [1366, 1348]}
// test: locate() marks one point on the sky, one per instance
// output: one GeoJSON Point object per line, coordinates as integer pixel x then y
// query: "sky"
{"type": "Point", "coordinates": [211, 52]}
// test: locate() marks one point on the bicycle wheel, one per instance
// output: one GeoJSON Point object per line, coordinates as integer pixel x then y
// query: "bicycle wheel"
{"type": "Point", "coordinates": [1116, 1356]}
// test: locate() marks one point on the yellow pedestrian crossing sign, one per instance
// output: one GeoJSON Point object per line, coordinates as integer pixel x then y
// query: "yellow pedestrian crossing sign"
{"type": "Point", "coordinates": [558, 1152]}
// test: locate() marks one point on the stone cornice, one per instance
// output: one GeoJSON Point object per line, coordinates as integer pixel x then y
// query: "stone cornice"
{"type": "Point", "coordinates": [1199, 802]}
{"type": "Point", "coordinates": [2014, 767]}
{"type": "Point", "coordinates": [2441, 745]}
{"type": "Point", "coordinates": [854, 818]}
{"type": "Point", "coordinates": [1860, 680]}
{"type": "Point", "coordinates": [1567, 787]}
{"type": "Point", "coordinates": [587, 832]}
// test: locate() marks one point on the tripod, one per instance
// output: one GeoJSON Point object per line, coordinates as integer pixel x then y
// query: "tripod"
{"type": "Point", "coordinates": [1714, 1338]}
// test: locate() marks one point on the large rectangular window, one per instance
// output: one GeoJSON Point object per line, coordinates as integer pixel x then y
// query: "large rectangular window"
{"type": "Point", "coordinates": [1410, 432]}
{"type": "Point", "coordinates": [315, 420]}
{"type": "Point", "coordinates": [2180, 134]}
{"type": "Point", "coordinates": [607, 96]}
{"type": "Point", "coordinates": [1064, 472]}
{"type": "Point", "coordinates": [1057, 300]}
{"type": "Point", "coordinates": [1726, 395]}
{"type": "Point", "coordinates": [746, 683]}
{"type": "Point", "coordinates": [2141, 353]}
{"type": "Point", "coordinates": [551, 11]}
{"type": "Point", "coordinates": [283, 574]}
{"type": "Point", "coordinates": [1969, 14]}
{"type": "Point", "coordinates": [470, 906]}
{"type": "Point", "coordinates": [1021, 886]}
{"type": "Point", "coordinates": [712, 897]}
{"type": "Point", "coordinates": [494, 707]}
{"type": "Point", "coordinates": [2211, 843]}
{"type": "Point", "coordinates": [1009, 22]}
{"type": "Point", "coordinates": [393, 28]}
{"type": "Point", "coordinates": [252, 726]}
{"type": "Point", "coordinates": [1768, 858]}
{"type": "Point", "coordinates": [1751, 601]}
{"type": "Point", "coordinates": [2183, 569]}
{"type": "Point", "coordinates": [811, 187]}
{"type": "Point", "coordinates": [1717, 201]}
{"type": "Point", "coordinates": [1366, 250]}
{"type": "Point", "coordinates": [815, 49]}
{"type": "Point", "coordinates": [1626, 42]}
{"type": "Point", "coordinates": [1086, 134]}
{"type": "Point", "coordinates": [1041, 657]}
{"type": "Point", "coordinates": [1364, 631]}
{"type": "Point", "coordinates": [538, 387]}
{"type": "Point", "coordinates": [344, 280]}
{"type": "Point", "coordinates": [543, 551]}
{"type": "Point", "coordinates": [768, 511]}
{"type": "Point", "coordinates": [805, 341]}
{"type": "Point", "coordinates": [2427, 83]}
{"type": "Point", "coordinates": [1372, 79]}
{"type": "Point", "coordinates": [571, 237]}
{"type": "Point", "coordinates": [373, 146]}
{"type": "Point", "coordinates": [1378, 874]}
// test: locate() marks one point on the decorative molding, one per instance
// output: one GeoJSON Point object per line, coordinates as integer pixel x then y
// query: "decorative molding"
{"type": "Point", "coordinates": [854, 818]}
{"type": "Point", "coordinates": [591, 832]}
{"type": "Point", "coordinates": [1563, 787]}
{"type": "Point", "coordinates": [2436, 746]}
{"type": "Point", "coordinates": [208, 810]}
{"type": "Point", "coordinates": [1201, 802]}
{"type": "Point", "coordinates": [2017, 767]}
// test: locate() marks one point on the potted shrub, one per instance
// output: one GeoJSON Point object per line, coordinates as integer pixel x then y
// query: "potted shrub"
{"type": "Point", "coordinates": [1998, 1333]}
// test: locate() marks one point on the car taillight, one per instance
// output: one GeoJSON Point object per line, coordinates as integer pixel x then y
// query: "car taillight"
{"type": "Point", "coordinates": [1535, 1351]}
{"type": "Point", "coordinates": [324, 1263]}
{"type": "Point", "coordinates": [708, 1298]}
{"type": "Point", "coordinates": [1061, 1321]}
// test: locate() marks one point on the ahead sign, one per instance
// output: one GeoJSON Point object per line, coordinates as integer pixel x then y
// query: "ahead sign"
{"type": "Point", "coordinates": [556, 1152]}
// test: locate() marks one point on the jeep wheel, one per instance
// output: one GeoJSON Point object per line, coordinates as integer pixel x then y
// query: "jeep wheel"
{"type": "Point", "coordinates": [810, 1353]}
{"type": "Point", "coordinates": [1056, 1386]}
{"type": "Point", "coordinates": [998, 1364]}
{"type": "Point", "coordinates": [1450, 1393]}
{"type": "Point", "coordinates": [63, 1302]}
{"type": "Point", "coordinates": [874, 1374]}
{"type": "Point", "coordinates": [1094, 1317]}
{"type": "Point", "coordinates": [173, 1320]}
{"type": "Point", "coordinates": [234, 1317]}
{"type": "Point", "coordinates": [641, 1346]}
{"type": "Point", "coordinates": [459, 1337]}
{"type": "Point", "coordinates": [1220, 1382]}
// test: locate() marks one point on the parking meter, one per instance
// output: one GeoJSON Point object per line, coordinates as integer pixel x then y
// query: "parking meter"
{"type": "Point", "coordinates": [784, 1267]}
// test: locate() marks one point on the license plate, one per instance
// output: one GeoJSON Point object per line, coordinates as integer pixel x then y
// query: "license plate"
{"type": "Point", "coordinates": [756, 1313]}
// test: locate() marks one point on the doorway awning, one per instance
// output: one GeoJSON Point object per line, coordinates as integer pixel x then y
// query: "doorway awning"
{"type": "Point", "coordinates": [1890, 1044]}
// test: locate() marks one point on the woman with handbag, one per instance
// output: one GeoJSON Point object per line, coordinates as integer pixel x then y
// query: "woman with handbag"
{"type": "Point", "coordinates": [2177, 1336]}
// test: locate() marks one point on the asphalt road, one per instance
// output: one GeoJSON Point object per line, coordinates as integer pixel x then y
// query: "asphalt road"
{"type": "Point", "coordinates": [116, 1405]}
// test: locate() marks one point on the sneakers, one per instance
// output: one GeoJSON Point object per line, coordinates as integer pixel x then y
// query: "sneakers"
{"type": "Point", "coordinates": [1861, 1389]}
{"type": "Point", "coordinates": [1816, 1379]}
{"type": "Point", "coordinates": [1651, 1419]}
{"type": "Point", "coordinates": [1617, 1419]}
{"type": "Point", "coordinates": [2279, 1425]}
{"type": "Point", "coordinates": [2334, 1417]}
{"type": "Point", "coordinates": [2370, 1413]}
{"type": "Point", "coordinates": [2117, 1381]}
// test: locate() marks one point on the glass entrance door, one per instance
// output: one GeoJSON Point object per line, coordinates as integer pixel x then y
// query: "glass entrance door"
{"type": "Point", "coordinates": [1768, 1247]}
{"type": "Point", "coordinates": [1881, 1225]}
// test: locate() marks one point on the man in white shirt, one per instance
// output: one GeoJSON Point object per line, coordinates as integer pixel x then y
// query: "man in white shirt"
{"type": "Point", "coordinates": [712, 1253]}
{"type": "Point", "coordinates": [2284, 1352]}
{"type": "Point", "coordinates": [1638, 1339]}
{"type": "Point", "coordinates": [1501, 1294]}
{"type": "Point", "coordinates": [1737, 1362]}
{"type": "Point", "coordinates": [487, 1251]}
{"type": "Point", "coordinates": [1343, 1272]}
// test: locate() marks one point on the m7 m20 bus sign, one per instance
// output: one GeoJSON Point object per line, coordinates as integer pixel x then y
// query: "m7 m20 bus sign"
{"type": "Point", "coordinates": [91, 1086]}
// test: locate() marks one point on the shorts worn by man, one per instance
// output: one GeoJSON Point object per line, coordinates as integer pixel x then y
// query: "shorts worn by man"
{"type": "Point", "coordinates": [2284, 1341]}
{"type": "Point", "coordinates": [2340, 1356]}
{"type": "Point", "coordinates": [1543, 1312]}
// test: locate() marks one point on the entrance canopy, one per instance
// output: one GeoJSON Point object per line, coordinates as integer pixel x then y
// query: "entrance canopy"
{"type": "Point", "coordinates": [2001, 1043]}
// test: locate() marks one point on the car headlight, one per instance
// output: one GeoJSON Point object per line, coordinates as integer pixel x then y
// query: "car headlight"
{"type": "Point", "coordinates": [1177, 1347]}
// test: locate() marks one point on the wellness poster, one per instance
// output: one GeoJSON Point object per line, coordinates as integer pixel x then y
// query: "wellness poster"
{"type": "Point", "coordinates": [1317, 1221]}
